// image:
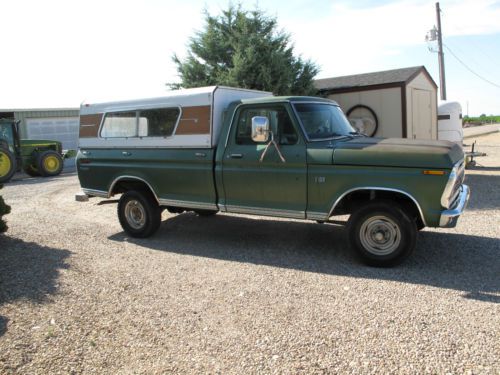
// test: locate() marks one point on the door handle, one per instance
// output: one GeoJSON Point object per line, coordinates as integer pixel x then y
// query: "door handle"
{"type": "Point", "coordinates": [200, 154]}
{"type": "Point", "coordinates": [126, 153]}
{"type": "Point", "coordinates": [236, 156]}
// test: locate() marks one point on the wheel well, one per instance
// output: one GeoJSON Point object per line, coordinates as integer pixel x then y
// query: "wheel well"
{"type": "Point", "coordinates": [353, 200]}
{"type": "Point", "coordinates": [125, 184]}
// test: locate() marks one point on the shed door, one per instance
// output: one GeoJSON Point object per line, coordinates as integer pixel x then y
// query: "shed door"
{"type": "Point", "coordinates": [62, 129]}
{"type": "Point", "coordinates": [421, 114]}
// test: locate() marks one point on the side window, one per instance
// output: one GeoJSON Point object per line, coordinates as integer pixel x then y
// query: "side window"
{"type": "Point", "coordinates": [280, 123]}
{"type": "Point", "coordinates": [119, 124]}
{"type": "Point", "coordinates": [145, 123]}
{"type": "Point", "coordinates": [158, 122]}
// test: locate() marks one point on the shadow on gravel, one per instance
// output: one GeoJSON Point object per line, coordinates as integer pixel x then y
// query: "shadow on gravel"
{"type": "Point", "coordinates": [3, 325]}
{"type": "Point", "coordinates": [482, 168]}
{"type": "Point", "coordinates": [466, 263]}
{"type": "Point", "coordinates": [28, 271]}
{"type": "Point", "coordinates": [485, 194]}
{"type": "Point", "coordinates": [23, 179]}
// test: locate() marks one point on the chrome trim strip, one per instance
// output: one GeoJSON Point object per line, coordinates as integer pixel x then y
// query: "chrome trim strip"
{"type": "Point", "coordinates": [188, 204]}
{"type": "Point", "coordinates": [265, 212]}
{"type": "Point", "coordinates": [316, 215]}
{"type": "Point", "coordinates": [110, 190]}
{"type": "Point", "coordinates": [449, 218]}
{"type": "Point", "coordinates": [458, 171]}
{"type": "Point", "coordinates": [166, 202]}
{"type": "Point", "coordinates": [96, 193]}
{"type": "Point", "coordinates": [380, 189]}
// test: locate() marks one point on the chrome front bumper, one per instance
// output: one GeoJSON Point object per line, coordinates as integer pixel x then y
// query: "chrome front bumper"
{"type": "Point", "coordinates": [450, 217]}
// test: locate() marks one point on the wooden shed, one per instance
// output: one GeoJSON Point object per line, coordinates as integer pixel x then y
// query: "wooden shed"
{"type": "Point", "coordinates": [394, 103]}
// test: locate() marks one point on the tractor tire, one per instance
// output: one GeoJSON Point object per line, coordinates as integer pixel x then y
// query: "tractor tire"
{"type": "Point", "coordinates": [8, 165]}
{"type": "Point", "coordinates": [31, 170]}
{"type": "Point", "coordinates": [49, 163]}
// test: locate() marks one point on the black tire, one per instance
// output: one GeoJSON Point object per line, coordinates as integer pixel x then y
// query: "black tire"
{"type": "Point", "coordinates": [8, 165]}
{"type": "Point", "coordinates": [30, 170]}
{"type": "Point", "coordinates": [139, 213]}
{"type": "Point", "coordinates": [49, 163]}
{"type": "Point", "coordinates": [382, 234]}
{"type": "Point", "coordinates": [206, 213]}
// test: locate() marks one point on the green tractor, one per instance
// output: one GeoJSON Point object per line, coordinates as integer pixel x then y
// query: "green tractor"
{"type": "Point", "coordinates": [35, 157]}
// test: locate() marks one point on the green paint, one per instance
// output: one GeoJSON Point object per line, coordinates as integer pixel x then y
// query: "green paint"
{"type": "Point", "coordinates": [312, 180]}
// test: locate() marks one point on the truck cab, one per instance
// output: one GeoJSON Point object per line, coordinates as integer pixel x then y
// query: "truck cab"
{"type": "Point", "coordinates": [238, 151]}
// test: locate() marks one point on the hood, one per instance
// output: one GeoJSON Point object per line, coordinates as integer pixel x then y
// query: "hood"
{"type": "Point", "coordinates": [397, 152]}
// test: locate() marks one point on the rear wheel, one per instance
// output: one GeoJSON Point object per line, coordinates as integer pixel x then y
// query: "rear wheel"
{"type": "Point", "coordinates": [7, 165]}
{"type": "Point", "coordinates": [49, 163]}
{"type": "Point", "coordinates": [382, 234]}
{"type": "Point", "coordinates": [139, 213]}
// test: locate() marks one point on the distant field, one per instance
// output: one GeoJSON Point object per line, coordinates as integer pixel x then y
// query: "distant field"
{"type": "Point", "coordinates": [482, 120]}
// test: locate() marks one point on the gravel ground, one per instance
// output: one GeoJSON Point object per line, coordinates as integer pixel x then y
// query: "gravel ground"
{"type": "Point", "coordinates": [236, 295]}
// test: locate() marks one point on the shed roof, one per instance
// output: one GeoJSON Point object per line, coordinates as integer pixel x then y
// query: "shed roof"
{"type": "Point", "coordinates": [387, 77]}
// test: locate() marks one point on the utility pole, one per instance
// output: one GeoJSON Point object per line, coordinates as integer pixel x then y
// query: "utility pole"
{"type": "Point", "coordinates": [442, 80]}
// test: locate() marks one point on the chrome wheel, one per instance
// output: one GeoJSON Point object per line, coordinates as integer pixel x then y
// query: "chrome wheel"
{"type": "Point", "coordinates": [380, 235]}
{"type": "Point", "coordinates": [135, 214]}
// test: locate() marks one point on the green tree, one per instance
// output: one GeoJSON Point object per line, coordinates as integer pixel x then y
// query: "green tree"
{"type": "Point", "coordinates": [246, 49]}
{"type": "Point", "coordinates": [4, 210]}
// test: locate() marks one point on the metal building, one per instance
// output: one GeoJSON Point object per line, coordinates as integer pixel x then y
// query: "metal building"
{"type": "Point", "coordinates": [58, 124]}
{"type": "Point", "coordinates": [394, 103]}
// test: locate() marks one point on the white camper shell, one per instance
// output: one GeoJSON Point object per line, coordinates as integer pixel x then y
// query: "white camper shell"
{"type": "Point", "coordinates": [194, 118]}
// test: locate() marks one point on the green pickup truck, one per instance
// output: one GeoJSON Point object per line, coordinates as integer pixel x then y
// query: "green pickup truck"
{"type": "Point", "coordinates": [220, 149]}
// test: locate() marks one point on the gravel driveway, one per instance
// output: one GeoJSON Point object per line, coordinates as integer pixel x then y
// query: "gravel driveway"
{"type": "Point", "coordinates": [236, 295]}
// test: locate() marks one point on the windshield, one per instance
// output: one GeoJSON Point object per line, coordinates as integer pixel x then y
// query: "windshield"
{"type": "Point", "coordinates": [323, 121]}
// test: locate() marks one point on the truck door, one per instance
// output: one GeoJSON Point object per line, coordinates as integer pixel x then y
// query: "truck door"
{"type": "Point", "coordinates": [269, 186]}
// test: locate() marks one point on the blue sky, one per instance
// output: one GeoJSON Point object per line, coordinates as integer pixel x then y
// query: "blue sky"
{"type": "Point", "coordinates": [61, 53]}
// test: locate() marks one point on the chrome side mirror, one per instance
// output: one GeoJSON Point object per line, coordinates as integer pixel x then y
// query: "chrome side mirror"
{"type": "Point", "coordinates": [260, 129]}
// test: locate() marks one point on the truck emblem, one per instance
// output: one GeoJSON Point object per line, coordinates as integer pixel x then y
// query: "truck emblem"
{"type": "Point", "coordinates": [320, 180]}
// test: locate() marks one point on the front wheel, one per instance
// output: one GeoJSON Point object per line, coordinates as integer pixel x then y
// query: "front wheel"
{"type": "Point", "coordinates": [139, 213]}
{"type": "Point", "coordinates": [49, 163]}
{"type": "Point", "coordinates": [382, 234]}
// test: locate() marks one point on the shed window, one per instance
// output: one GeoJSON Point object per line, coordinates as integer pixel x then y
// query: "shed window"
{"type": "Point", "coordinates": [159, 122]}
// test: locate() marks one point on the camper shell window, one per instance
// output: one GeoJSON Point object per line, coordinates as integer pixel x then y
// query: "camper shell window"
{"type": "Point", "coordinates": [158, 122]}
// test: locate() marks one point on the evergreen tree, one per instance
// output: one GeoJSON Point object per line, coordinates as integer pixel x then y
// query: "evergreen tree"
{"type": "Point", "coordinates": [4, 210]}
{"type": "Point", "coordinates": [245, 49]}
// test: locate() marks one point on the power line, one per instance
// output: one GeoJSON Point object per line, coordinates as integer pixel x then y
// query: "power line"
{"type": "Point", "coordinates": [469, 69]}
